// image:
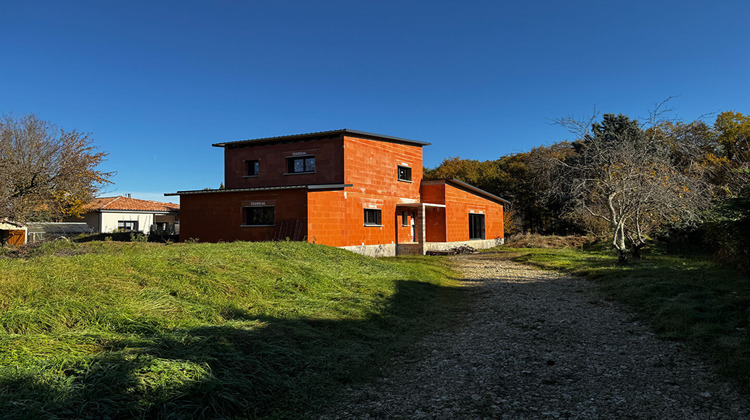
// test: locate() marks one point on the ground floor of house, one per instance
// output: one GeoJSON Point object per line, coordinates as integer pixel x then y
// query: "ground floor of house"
{"type": "Point", "coordinates": [446, 214]}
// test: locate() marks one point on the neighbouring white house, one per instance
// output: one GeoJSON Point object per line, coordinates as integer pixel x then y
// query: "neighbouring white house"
{"type": "Point", "coordinates": [113, 214]}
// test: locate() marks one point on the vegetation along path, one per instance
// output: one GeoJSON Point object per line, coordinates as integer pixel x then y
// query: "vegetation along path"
{"type": "Point", "coordinates": [538, 344]}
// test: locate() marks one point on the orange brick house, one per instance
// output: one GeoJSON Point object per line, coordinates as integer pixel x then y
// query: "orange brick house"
{"type": "Point", "coordinates": [345, 188]}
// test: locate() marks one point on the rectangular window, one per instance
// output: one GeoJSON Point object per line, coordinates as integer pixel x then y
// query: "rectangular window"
{"type": "Point", "coordinates": [127, 225]}
{"type": "Point", "coordinates": [372, 217]}
{"type": "Point", "coordinates": [301, 165]}
{"type": "Point", "coordinates": [259, 216]}
{"type": "Point", "coordinates": [404, 173]}
{"type": "Point", "coordinates": [252, 168]}
{"type": "Point", "coordinates": [476, 226]}
{"type": "Point", "coordinates": [404, 219]}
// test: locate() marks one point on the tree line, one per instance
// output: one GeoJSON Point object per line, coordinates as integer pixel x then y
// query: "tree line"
{"type": "Point", "coordinates": [627, 180]}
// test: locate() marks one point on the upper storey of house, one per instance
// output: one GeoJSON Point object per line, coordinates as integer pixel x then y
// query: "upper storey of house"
{"type": "Point", "coordinates": [371, 162]}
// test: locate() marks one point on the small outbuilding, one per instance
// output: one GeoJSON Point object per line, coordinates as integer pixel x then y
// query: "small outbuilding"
{"type": "Point", "coordinates": [12, 233]}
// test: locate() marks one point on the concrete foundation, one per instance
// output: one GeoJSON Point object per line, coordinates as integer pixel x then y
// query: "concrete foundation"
{"type": "Point", "coordinates": [476, 243]}
{"type": "Point", "coordinates": [382, 250]}
{"type": "Point", "coordinates": [415, 248]}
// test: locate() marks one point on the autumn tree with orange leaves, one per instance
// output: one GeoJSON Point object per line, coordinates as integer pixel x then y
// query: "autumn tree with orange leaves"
{"type": "Point", "coordinates": [46, 172]}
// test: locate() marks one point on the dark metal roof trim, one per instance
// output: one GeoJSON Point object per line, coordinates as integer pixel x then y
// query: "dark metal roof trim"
{"type": "Point", "coordinates": [329, 186]}
{"type": "Point", "coordinates": [469, 187]}
{"type": "Point", "coordinates": [286, 187]}
{"type": "Point", "coordinates": [317, 135]}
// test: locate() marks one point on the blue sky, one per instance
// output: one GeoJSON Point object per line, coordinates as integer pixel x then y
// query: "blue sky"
{"type": "Point", "coordinates": [156, 83]}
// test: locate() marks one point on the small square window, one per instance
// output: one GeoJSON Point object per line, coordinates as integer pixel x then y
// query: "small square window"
{"type": "Point", "coordinates": [253, 168]}
{"type": "Point", "coordinates": [372, 217]}
{"type": "Point", "coordinates": [300, 165]}
{"type": "Point", "coordinates": [404, 173]}
{"type": "Point", "coordinates": [259, 216]}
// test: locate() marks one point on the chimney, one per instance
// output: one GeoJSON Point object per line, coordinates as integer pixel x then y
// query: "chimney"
{"type": "Point", "coordinates": [128, 195]}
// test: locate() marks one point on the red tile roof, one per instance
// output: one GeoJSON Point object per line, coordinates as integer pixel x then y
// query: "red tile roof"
{"type": "Point", "coordinates": [132, 204]}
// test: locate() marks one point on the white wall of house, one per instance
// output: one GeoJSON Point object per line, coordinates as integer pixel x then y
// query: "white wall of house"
{"type": "Point", "coordinates": [110, 220]}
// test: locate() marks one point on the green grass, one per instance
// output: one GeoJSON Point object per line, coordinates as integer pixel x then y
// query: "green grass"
{"type": "Point", "coordinates": [108, 329]}
{"type": "Point", "coordinates": [690, 299]}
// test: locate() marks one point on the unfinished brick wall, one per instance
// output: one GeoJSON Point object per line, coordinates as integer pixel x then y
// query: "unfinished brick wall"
{"type": "Point", "coordinates": [336, 218]}
{"type": "Point", "coordinates": [214, 217]}
{"type": "Point", "coordinates": [272, 162]}
{"type": "Point", "coordinates": [460, 203]}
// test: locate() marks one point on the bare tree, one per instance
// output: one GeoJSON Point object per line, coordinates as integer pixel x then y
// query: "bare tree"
{"type": "Point", "coordinates": [46, 170]}
{"type": "Point", "coordinates": [625, 176]}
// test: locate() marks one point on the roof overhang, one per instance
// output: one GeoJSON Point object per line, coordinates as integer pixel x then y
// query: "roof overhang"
{"type": "Point", "coordinates": [319, 135]}
{"type": "Point", "coordinates": [10, 225]}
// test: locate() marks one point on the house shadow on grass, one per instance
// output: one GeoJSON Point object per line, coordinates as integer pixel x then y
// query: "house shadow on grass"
{"type": "Point", "coordinates": [250, 367]}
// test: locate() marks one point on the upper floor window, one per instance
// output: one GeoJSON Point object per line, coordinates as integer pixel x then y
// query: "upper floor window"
{"type": "Point", "coordinates": [404, 173]}
{"type": "Point", "coordinates": [372, 217]}
{"type": "Point", "coordinates": [252, 168]}
{"type": "Point", "coordinates": [301, 165]}
{"type": "Point", "coordinates": [259, 216]}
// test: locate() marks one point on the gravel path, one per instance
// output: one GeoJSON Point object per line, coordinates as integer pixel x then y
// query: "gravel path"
{"type": "Point", "coordinates": [542, 345]}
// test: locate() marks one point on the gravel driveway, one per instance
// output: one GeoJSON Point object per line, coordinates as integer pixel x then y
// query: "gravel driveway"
{"type": "Point", "coordinates": [537, 344]}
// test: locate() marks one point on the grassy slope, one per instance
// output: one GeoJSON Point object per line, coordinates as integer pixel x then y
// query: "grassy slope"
{"type": "Point", "coordinates": [250, 329]}
{"type": "Point", "coordinates": [688, 299]}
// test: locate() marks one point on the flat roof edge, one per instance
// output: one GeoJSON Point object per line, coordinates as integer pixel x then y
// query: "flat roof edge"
{"type": "Point", "coordinates": [341, 132]}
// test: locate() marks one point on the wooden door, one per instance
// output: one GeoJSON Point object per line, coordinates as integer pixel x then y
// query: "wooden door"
{"type": "Point", "coordinates": [17, 237]}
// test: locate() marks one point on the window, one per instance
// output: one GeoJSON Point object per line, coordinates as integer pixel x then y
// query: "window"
{"type": "Point", "coordinates": [301, 165]}
{"type": "Point", "coordinates": [476, 226]}
{"type": "Point", "coordinates": [252, 168]}
{"type": "Point", "coordinates": [404, 219]}
{"type": "Point", "coordinates": [404, 173]}
{"type": "Point", "coordinates": [372, 217]}
{"type": "Point", "coordinates": [128, 225]}
{"type": "Point", "coordinates": [259, 216]}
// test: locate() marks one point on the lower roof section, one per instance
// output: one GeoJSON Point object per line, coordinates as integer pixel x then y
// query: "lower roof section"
{"type": "Point", "coordinates": [465, 186]}
{"type": "Point", "coordinates": [287, 187]}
